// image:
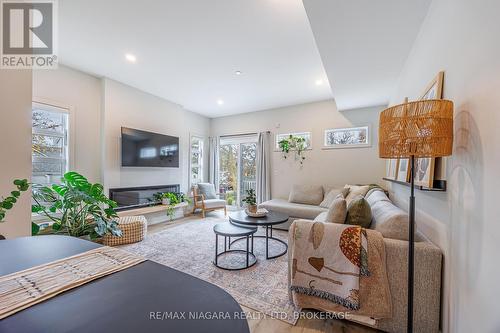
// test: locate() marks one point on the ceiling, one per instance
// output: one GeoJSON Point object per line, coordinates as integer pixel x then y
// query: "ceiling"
{"type": "Point", "coordinates": [364, 45]}
{"type": "Point", "coordinates": [188, 50]}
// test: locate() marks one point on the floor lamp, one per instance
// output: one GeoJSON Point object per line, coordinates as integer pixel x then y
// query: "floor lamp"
{"type": "Point", "coordinates": [415, 130]}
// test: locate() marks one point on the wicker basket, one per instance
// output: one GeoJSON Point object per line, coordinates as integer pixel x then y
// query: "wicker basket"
{"type": "Point", "coordinates": [133, 229]}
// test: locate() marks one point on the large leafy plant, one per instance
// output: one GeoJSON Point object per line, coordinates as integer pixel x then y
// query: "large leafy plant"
{"type": "Point", "coordinates": [76, 207]}
{"type": "Point", "coordinates": [296, 143]}
{"type": "Point", "coordinates": [8, 202]}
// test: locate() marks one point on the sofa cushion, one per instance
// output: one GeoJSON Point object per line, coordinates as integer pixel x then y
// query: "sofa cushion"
{"type": "Point", "coordinates": [359, 212]}
{"type": "Point", "coordinates": [332, 195]}
{"type": "Point", "coordinates": [375, 195]}
{"type": "Point", "coordinates": [355, 190]}
{"type": "Point", "coordinates": [306, 194]}
{"type": "Point", "coordinates": [208, 190]}
{"type": "Point", "coordinates": [337, 212]}
{"type": "Point", "coordinates": [321, 217]}
{"type": "Point", "coordinates": [389, 220]}
{"type": "Point", "coordinates": [293, 209]}
{"type": "Point", "coordinates": [214, 203]}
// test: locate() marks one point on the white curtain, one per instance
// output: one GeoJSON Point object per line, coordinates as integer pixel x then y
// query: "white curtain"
{"type": "Point", "coordinates": [213, 165]}
{"type": "Point", "coordinates": [263, 162]}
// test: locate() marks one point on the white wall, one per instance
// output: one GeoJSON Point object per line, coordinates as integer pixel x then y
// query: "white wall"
{"type": "Point", "coordinates": [128, 107]}
{"type": "Point", "coordinates": [461, 37]}
{"type": "Point", "coordinates": [330, 167]}
{"type": "Point", "coordinates": [81, 94]}
{"type": "Point", "coordinates": [15, 147]}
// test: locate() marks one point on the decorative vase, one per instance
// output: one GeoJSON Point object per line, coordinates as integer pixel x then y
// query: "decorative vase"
{"type": "Point", "coordinates": [252, 208]}
{"type": "Point", "coordinates": [165, 201]}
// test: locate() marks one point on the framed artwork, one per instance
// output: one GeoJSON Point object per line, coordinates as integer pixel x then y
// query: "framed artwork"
{"type": "Point", "coordinates": [306, 135]}
{"type": "Point", "coordinates": [403, 174]}
{"type": "Point", "coordinates": [424, 171]}
{"type": "Point", "coordinates": [435, 89]}
{"type": "Point", "coordinates": [392, 168]}
{"type": "Point", "coordinates": [350, 137]}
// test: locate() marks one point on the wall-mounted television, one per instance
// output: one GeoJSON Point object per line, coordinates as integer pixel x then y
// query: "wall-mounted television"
{"type": "Point", "coordinates": [146, 149]}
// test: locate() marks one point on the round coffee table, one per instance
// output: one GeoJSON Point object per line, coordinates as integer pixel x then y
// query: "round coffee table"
{"type": "Point", "coordinates": [240, 218]}
{"type": "Point", "coordinates": [230, 230]}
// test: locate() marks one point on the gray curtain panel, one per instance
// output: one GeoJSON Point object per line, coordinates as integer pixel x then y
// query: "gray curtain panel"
{"type": "Point", "coordinates": [263, 191]}
{"type": "Point", "coordinates": [213, 165]}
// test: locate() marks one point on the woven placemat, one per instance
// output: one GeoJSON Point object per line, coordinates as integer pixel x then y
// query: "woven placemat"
{"type": "Point", "coordinates": [23, 289]}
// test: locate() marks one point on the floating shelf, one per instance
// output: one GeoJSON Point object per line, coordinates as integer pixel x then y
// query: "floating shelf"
{"type": "Point", "coordinates": [438, 186]}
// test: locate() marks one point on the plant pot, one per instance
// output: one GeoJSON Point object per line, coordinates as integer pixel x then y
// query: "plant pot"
{"type": "Point", "coordinates": [165, 201]}
{"type": "Point", "coordinates": [252, 208]}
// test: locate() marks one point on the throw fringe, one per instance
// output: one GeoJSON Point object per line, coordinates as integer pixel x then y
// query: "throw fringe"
{"type": "Point", "coordinates": [326, 295]}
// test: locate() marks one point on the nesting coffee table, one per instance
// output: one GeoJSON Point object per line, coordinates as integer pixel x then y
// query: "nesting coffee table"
{"type": "Point", "coordinates": [240, 218]}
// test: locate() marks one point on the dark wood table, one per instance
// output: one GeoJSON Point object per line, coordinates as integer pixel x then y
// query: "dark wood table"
{"type": "Point", "coordinates": [137, 299]}
{"type": "Point", "coordinates": [240, 218]}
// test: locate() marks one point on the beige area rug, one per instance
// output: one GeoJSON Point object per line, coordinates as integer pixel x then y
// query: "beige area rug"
{"type": "Point", "coordinates": [190, 248]}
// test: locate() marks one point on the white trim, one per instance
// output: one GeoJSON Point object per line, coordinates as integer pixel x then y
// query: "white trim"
{"type": "Point", "coordinates": [327, 146]}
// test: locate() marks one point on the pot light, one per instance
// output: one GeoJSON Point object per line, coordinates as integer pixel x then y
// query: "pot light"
{"type": "Point", "coordinates": [130, 57]}
{"type": "Point", "coordinates": [220, 102]}
{"type": "Point", "coordinates": [238, 72]}
{"type": "Point", "coordinates": [319, 82]}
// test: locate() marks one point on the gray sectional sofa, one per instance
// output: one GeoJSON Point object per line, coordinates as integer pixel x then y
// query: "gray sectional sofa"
{"type": "Point", "coordinates": [392, 223]}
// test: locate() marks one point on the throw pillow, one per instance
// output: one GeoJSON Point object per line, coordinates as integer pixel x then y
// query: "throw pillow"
{"type": "Point", "coordinates": [359, 212]}
{"type": "Point", "coordinates": [338, 210]}
{"type": "Point", "coordinates": [306, 194]}
{"type": "Point", "coordinates": [321, 217]}
{"type": "Point", "coordinates": [208, 190]}
{"type": "Point", "coordinates": [328, 200]}
{"type": "Point", "coordinates": [355, 190]}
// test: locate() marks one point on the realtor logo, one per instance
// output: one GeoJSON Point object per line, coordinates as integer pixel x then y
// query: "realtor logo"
{"type": "Point", "coordinates": [28, 34]}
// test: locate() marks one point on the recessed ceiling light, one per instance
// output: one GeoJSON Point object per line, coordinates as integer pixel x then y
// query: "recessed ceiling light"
{"type": "Point", "coordinates": [220, 102]}
{"type": "Point", "coordinates": [319, 82]}
{"type": "Point", "coordinates": [130, 57]}
{"type": "Point", "coordinates": [238, 73]}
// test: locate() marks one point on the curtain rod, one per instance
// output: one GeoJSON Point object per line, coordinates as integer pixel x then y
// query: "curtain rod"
{"type": "Point", "coordinates": [241, 134]}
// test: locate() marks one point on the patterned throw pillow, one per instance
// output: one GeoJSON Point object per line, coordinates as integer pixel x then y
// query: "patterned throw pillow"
{"type": "Point", "coordinates": [332, 195]}
{"type": "Point", "coordinates": [338, 210]}
{"type": "Point", "coordinates": [359, 212]}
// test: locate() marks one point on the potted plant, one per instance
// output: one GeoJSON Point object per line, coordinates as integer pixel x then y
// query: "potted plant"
{"type": "Point", "coordinates": [296, 143]}
{"type": "Point", "coordinates": [8, 203]}
{"type": "Point", "coordinates": [251, 201]}
{"type": "Point", "coordinates": [76, 208]}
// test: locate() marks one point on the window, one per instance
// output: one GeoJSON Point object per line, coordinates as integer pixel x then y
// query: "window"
{"type": "Point", "coordinates": [196, 160]}
{"type": "Point", "coordinates": [49, 143]}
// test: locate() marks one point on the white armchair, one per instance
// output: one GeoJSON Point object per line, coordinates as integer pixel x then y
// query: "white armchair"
{"type": "Point", "coordinates": [205, 198]}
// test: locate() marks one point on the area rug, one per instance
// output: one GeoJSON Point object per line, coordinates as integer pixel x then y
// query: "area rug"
{"type": "Point", "coordinates": [190, 248]}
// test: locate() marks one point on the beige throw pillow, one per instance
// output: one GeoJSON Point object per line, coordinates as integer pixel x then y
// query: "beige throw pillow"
{"type": "Point", "coordinates": [306, 194]}
{"type": "Point", "coordinates": [330, 196]}
{"type": "Point", "coordinates": [356, 190]}
{"type": "Point", "coordinates": [338, 210]}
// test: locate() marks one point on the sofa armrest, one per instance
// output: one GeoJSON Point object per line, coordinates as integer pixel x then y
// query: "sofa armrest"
{"type": "Point", "coordinates": [427, 290]}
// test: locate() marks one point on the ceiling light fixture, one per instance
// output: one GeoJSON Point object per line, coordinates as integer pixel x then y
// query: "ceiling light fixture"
{"type": "Point", "coordinates": [238, 73]}
{"type": "Point", "coordinates": [319, 82]}
{"type": "Point", "coordinates": [220, 102]}
{"type": "Point", "coordinates": [130, 57]}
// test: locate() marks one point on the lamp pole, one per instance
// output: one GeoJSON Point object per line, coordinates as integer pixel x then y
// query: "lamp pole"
{"type": "Point", "coordinates": [411, 245]}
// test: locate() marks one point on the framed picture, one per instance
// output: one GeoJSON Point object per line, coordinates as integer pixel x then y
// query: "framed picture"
{"type": "Point", "coordinates": [424, 171]}
{"type": "Point", "coordinates": [403, 174]}
{"type": "Point", "coordinates": [392, 168]}
{"type": "Point", "coordinates": [306, 135]}
{"type": "Point", "coordinates": [350, 137]}
{"type": "Point", "coordinates": [435, 89]}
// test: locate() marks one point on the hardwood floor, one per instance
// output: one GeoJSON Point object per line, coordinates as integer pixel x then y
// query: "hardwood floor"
{"type": "Point", "coordinates": [258, 322]}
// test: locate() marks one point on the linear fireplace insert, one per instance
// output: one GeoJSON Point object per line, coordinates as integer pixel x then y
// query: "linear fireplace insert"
{"type": "Point", "coordinates": [143, 196]}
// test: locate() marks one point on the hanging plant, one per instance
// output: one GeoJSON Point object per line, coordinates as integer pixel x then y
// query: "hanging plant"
{"type": "Point", "coordinates": [295, 143]}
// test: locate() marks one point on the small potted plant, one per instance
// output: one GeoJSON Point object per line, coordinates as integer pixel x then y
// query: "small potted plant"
{"type": "Point", "coordinates": [251, 201]}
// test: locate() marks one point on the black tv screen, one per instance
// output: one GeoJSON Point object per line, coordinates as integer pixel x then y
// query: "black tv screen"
{"type": "Point", "coordinates": [146, 149]}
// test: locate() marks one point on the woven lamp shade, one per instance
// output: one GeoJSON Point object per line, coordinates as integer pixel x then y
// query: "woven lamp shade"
{"type": "Point", "coordinates": [422, 129]}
